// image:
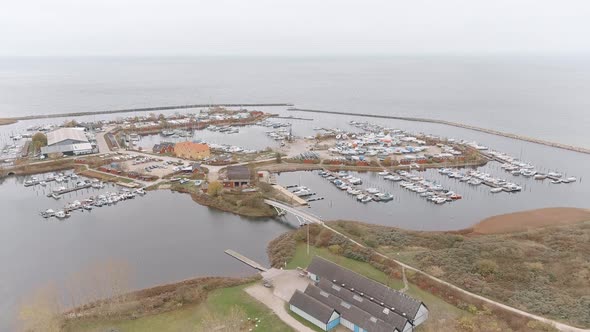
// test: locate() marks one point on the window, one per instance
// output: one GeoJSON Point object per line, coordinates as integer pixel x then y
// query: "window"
{"type": "Point", "coordinates": [373, 319]}
{"type": "Point", "coordinates": [344, 304]}
{"type": "Point", "coordinates": [335, 287]}
{"type": "Point", "coordinates": [358, 298]}
{"type": "Point", "coordinates": [324, 294]}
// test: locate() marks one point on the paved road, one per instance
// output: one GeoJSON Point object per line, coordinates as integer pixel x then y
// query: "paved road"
{"type": "Point", "coordinates": [277, 305]}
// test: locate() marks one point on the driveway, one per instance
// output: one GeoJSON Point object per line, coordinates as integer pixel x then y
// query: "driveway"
{"type": "Point", "coordinates": [277, 305]}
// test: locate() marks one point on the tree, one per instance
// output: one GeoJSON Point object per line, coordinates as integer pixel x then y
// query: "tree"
{"type": "Point", "coordinates": [38, 141]}
{"type": "Point", "coordinates": [71, 123]}
{"type": "Point", "coordinates": [278, 158]}
{"type": "Point", "coordinates": [215, 188]}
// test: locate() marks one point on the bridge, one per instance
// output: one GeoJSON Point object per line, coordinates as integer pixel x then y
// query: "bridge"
{"type": "Point", "coordinates": [302, 216]}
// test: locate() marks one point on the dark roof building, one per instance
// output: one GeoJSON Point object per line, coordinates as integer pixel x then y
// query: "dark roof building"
{"type": "Point", "coordinates": [237, 176]}
{"type": "Point", "coordinates": [363, 304]}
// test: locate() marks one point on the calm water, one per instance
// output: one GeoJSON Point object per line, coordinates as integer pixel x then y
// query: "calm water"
{"type": "Point", "coordinates": [161, 237]}
{"type": "Point", "coordinates": [535, 96]}
{"type": "Point", "coordinates": [165, 237]}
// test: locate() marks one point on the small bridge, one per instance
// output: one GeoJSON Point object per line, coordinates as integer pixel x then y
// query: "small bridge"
{"type": "Point", "coordinates": [303, 217]}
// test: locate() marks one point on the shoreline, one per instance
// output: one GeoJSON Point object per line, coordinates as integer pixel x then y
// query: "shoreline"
{"type": "Point", "coordinates": [458, 125]}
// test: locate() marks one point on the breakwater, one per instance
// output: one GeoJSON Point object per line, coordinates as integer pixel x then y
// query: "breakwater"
{"type": "Point", "coordinates": [455, 124]}
{"type": "Point", "coordinates": [143, 109]}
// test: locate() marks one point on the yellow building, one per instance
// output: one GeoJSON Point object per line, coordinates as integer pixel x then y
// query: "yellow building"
{"type": "Point", "coordinates": [190, 150]}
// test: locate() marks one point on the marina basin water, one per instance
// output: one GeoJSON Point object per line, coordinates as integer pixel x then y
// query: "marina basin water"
{"type": "Point", "coordinates": [162, 237]}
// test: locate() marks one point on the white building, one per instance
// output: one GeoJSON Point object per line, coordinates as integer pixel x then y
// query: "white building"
{"type": "Point", "coordinates": [69, 141]}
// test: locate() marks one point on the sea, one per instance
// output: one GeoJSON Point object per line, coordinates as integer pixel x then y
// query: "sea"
{"type": "Point", "coordinates": [165, 237]}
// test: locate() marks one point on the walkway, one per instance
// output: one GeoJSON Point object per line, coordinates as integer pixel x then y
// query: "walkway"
{"type": "Point", "coordinates": [297, 212]}
{"type": "Point", "coordinates": [277, 305]}
{"type": "Point", "coordinates": [556, 324]}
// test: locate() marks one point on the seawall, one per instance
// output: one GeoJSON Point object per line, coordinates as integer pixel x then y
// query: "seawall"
{"type": "Point", "coordinates": [456, 124]}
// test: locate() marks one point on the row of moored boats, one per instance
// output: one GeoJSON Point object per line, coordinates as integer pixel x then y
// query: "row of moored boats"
{"type": "Point", "coordinates": [106, 199]}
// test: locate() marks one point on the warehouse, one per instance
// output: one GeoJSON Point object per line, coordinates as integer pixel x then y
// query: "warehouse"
{"type": "Point", "coordinates": [67, 141]}
{"type": "Point", "coordinates": [362, 304]}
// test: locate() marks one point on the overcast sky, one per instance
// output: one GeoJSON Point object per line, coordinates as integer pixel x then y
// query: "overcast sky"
{"type": "Point", "coordinates": [292, 27]}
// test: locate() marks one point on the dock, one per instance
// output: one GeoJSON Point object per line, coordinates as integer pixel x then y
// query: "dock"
{"type": "Point", "coordinates": [294, 199]}
{"type": "Point", "coordinates": [246, 260]}
{"type": "Point", "coordinates": [69, 190]}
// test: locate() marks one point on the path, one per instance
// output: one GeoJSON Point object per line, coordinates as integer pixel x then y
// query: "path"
{"type": "Point", "coordinates": [560, 326]}
{"type": "Point", "coordinates": [277, 305]}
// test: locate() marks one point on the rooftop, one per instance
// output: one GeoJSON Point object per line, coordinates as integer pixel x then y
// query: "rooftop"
{"type": "Point", "coordinates": [62, 134]}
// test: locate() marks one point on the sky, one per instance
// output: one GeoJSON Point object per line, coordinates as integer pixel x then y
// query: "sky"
{"type": "Point", "coordinates": [292, 27]}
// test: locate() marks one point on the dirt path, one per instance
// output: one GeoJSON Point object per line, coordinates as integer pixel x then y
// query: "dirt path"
{"type": "Point", "coordinates": [521, 221]}
{"type": "Point", "coordinates": [556, 324]}
{"type": "Point", "coordinates": [277, 305]}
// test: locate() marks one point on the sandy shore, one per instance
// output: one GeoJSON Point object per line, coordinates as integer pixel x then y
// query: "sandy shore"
{"type": "Point", "coordinates": [521, 221]}
{"type": "Point", "coordinates": [7, 121]}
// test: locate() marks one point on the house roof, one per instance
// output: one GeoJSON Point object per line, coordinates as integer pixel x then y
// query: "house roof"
{"type": "Point", "coordinates": [195, 147]}
{"type": "Point", "coordinates": [349, 311]}
{"type": "Point", "coordinates": [62, 134]}
{"type": "Point", "coordinates": [370, 288]}
{"type": "Point", "coordinates": [238, 173]}
{"type": "Point", "coordinates": [311, 306]}
{"type": "Point", "coordinates": [364, 303]}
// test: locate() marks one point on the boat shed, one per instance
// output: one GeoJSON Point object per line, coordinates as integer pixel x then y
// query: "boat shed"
{"type": "Point", "coordinates": [390, 307]}
{"type": "Point", "coordinates": [68, 141]}
{"type": "Point", "coordinates": [314, 311]}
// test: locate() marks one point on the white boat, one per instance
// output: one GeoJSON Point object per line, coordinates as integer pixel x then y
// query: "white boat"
{"type": "Point", "coordinates": [540, 176]}
{"type": "Point", "coordinates": [140, 191]}
{"type": "Point", "coordinates": [61, 214]}
{"type": "Point", "coordinates": [558, 181]}
{"type": "Point", "coordinates": [372, 190]}
{"type": "Point", "coordinates": [48, 213]}
{"type": "Point", "coordinates": [496, 190]}
{"type": "Point", "coordinates": [383, 173]}
{"type": "Point", "coordinates": [366, 199]}
{"type": "Point", "coordinates": [570, 179]}
{"type": "Point", "coordinates": [43, 183]}
{"type": "Point", "coordinates": [554, 174]}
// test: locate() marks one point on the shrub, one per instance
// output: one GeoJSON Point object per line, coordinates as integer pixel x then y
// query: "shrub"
{"type": "Point", "coordinates": [486, 267]}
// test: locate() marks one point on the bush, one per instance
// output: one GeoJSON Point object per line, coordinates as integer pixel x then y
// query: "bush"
{"type": "Point", "coordinates": [486, 267]}
{"type": "Point", "coordinates": [215, 188]}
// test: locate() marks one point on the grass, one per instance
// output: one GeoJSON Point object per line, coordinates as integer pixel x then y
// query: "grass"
{"type": "Point", "coordinates": [105, 177]}
{"type": "Point", "coordinates": [301, 259]}
{"type": "Point", "coordinates": [189, 318]}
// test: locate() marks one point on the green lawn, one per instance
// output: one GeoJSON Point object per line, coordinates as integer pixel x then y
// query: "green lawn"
{"type": "Point", "coordinates": [301, 259]}
{"type": "Point", "coordinates": [188, 318]}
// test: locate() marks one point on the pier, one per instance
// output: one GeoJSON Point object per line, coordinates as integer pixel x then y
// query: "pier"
{"type": "Point", "coordinates": [455, 124]}
{"type": "Point", "coordinates": [246, 260]}
{"type": "Point", "coordinates": [69, 190]}
{"type": "Point", "coordinates": [294, 199]}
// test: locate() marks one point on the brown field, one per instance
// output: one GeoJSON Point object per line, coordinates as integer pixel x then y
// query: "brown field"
{"type": "Point", "coordinates": [525, 220]}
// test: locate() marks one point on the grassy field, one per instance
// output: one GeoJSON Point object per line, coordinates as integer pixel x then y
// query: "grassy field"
{"type": "Point", "coordinates": [301, 259]}
{"type": "Point", "coordinates": [190, 318]}
{"type": "Point", "coordinates": [440, 311]}
{"type": "Point", "coordinates": [7, 121]}
{"type": "Point", "coordinates": [545, 271]}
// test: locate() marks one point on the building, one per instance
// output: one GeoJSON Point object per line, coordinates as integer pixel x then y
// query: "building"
{"type": "Point", "coordinates": [68, 141]}
{"type": "Point", "coordinates": [237, 176]}
{"type": "Point", "coordinates": [191, 150]}
{"type": "Point", "coordinates": [361, 304]}
{"type": "Point", "coordinates": [163, 148]}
